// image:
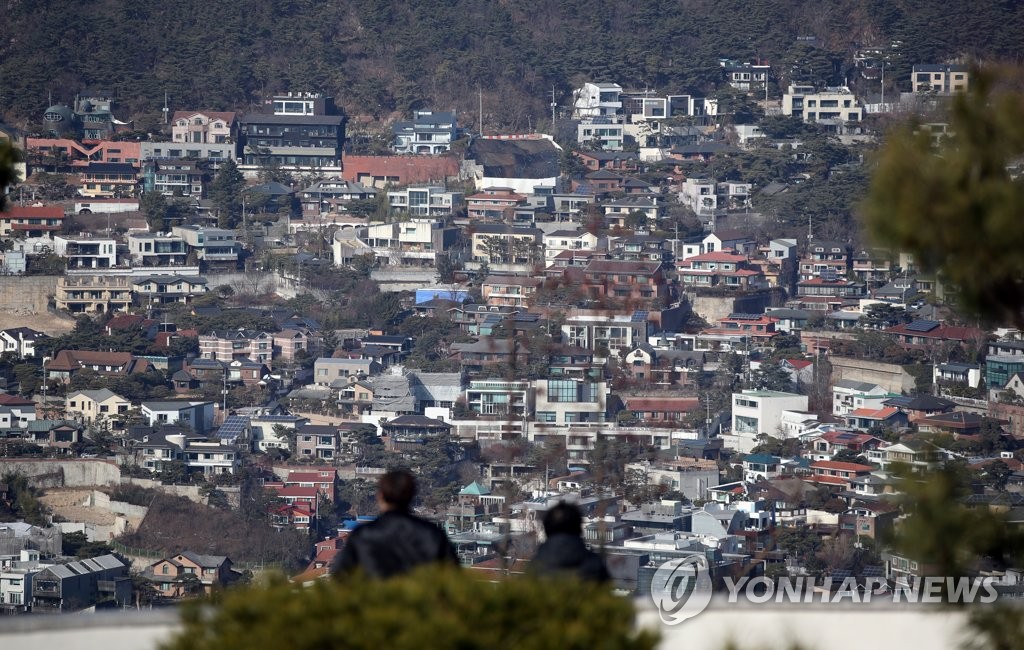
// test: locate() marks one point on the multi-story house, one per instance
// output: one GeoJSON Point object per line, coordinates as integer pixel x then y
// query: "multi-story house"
{"type": "Point", "coordinates": [618, 211]}
{"type": "Point", "coordinates": [317, 441]}
{"type": "Point", "coordinates": [20, 341]}
{"type": "Point", "coordinates": [811, 105]}
{"type": "Point", "coordinates": [501, 244]}
{"type": "Point", "coordinates": [943, 79]}
{"type": "Point", "coordinates": [78, 585]}
{"type": "Point", "coordinates": [213, 153]}
{"type": "Point", "coordinates": [825, 259]}
{"type": "Point", "coordinates": [489, 352]}
{"type": "Point", "coordinates": [757, 412]}
{"type": "Point", "coordinates": [197, 415]}
{"type": "Point", "coordinates": [608, 334]}
{"type": "Point", "coordinates": [429, 132]}
{"type": "Point", "coordinates": [299, 132]}
{"type": "Point", "coordinates": [67, 362]}
{"type": "Point", "coordinates": [604, 133]}
{"type": "Point", "coordinates": [228, 345]}
{"type": "Point", "coordinates": [95, 405]}
{"type": "Point", "coordinates": [339, 372]}
{"type": "Point", "coordinates": [157, 249]}
{"type": "Point", "coordinates": [849, 395]}
{"type": "Point", "coordinates": [291, 342]}
{"type": "Point", "coordinates": [170, 177]}
{"type": "Point", "coordinates": [424, 201]}
{"type": "Point", "coordinates": [568, 240]}
{"type": "Point", "coordinates": [32, 221]}
{"type": "Point", "coordinates": [641, 282]}
{"type": "Point", "coordinates": [838, 474]}
{"type": "Point", "coordinates": [16, 576]}
{"type": "Point", "coordinates": [86, 253]}
{"type": "Point", "coordinates": [211, 127]}
{"type": "Point", "coordinates": [213, 246]}
{"type": "Point", "coordinates": [493, 203]}
{"type": "Point", "coordinates": [720, 269]}
{"type": "Point", "coordinates": [416, 242]}
{"type": "Point", "coordinates": [597, 100]}
{"type": "Point", "coordinates": [509, 290]}
{"type": "Point", "coordinates": [706, 197]}
{"type": "Point", "coordinates": [108, 180]}
{"type": "Point", "coordinates": [502, 399]}
{"type": "Point", "coordinates": [172, 576]}
{"type": "Point", "coordinates": [834, 291]}
{"type": "Point", "coordinates": [753, 329]}
{"type": "Point", "coordinates": [332, 195]}
{"type": "Point", "coordinates": [567, 401]}
{"type": "Point", "coordinates": [746, 75]}
{"type": "Point", "coordinates": [620, 161]}
{"type": "Point", "coordinates": [168, 289]}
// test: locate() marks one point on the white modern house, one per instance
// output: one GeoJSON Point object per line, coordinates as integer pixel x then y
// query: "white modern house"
{"type": "Point", "coordinates": [756, 412]}
{"type": "Point", "coordinates": [195, 414]}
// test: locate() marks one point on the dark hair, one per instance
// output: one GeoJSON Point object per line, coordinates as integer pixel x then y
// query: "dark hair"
{"type": "Point", "coordinates": [397, 488]}
{"type": "Point", "coordinates": [563, 518]}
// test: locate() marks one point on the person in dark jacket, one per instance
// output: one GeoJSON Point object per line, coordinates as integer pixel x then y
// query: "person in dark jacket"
{"type": "Point", "coordinates": [564, 551]}
{"type": "Point", "coordinates": [396, 541]}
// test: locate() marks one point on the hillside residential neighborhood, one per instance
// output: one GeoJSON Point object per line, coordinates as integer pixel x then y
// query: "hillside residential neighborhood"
{"type": "Point", "coordinates": [651, 310]}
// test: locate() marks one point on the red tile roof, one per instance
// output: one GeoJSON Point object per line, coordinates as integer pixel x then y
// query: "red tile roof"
{"type": "Point", "coordinates": [840, 466]}
{"type": "Point", "coordinates": [875, 414]}
{"type": "Point", "coordinates": [408, 169]}
{"type": "Point", "coordinates": [677, 404]}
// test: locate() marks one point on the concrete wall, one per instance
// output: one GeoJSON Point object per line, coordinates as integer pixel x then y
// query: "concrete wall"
{"type": "Point", "coordinates": [399, 279]}
{"type": "Point", "coordinates": [714, 308]}
{"type": "Point", "coordinates": [102, 500]}
{"type": "Point", "coordinates": [889, 376]}
{"type": "Point", "coordinates": [190, 492]}
{"type": "Point", "coordinates": [26, 294]}
{"type": "Point", "coordinates": [64, 473]}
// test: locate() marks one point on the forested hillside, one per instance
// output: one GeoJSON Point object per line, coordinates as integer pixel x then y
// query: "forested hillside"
{"type": "Point", "coordinates": [380, 56]}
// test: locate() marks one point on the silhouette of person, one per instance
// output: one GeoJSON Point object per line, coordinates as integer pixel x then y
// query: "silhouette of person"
{"type": "Point", "coordinates": [397, 541]}
{"type": "Point", "coordinates": [564, 551]}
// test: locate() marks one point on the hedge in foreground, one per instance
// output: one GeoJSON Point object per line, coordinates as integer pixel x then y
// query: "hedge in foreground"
{"type": "Point", "coordinates": [431, 608]}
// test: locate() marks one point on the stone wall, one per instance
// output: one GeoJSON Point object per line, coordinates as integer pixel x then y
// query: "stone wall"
{"type": "Point", "coordinates": [53, 473]}
{"type": "Point", "coordinates": [26, 294]}
{"type": "Point", "coordinates": [714, 308]}
{"type": "Point", "coordinates": [889, 376]}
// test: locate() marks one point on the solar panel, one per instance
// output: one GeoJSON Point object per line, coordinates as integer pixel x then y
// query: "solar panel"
{"type": "Point", "coordinates": [873, 571]}
{"type": "Point", "coordinates": [922, 326]}
{"type": "Point", "coordinates": [639, 317]}
{"type": "Point", "coordinates": [233, 426]}
{"type": "Point", "coordinates": [743, 316]}
{"type": "Point", "coordinates": [841, 574]}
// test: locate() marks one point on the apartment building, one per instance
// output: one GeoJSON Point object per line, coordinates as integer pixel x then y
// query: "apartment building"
{"type": "Point", "coordinates": [944, 79]}
{"type": "Point", "coordinates": [228, 345]}
{"type": "Point", "coordinates": [93, 294]}
{"type": "Point", "coordinates": [86, 252]}
{"type": "Point", "coordinates": [812, 105]}
{"type": "Point", "coordinates": [424, 201]}
{"type": "Point", "coordinates": [298, 132]}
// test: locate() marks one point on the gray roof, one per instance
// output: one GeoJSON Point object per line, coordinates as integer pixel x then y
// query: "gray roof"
{"type": "Point", "coordinates": [98, 395]}
{"type": "Point", "coordinates": [862, 386]}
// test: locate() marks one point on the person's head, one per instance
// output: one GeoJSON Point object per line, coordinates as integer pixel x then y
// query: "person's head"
{"type": "Point", "coordinates": [396, 490]}
{"type": "Point", "coordinates": [564, 518]}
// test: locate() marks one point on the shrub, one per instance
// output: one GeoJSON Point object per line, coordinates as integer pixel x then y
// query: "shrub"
{"type": "Point", "coordinates": [431, 608]}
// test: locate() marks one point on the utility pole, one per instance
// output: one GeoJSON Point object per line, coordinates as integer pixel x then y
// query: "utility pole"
{"type": "Point", "coordinates": [553, 107]}
{"type": "Point", "coordinates": [480, 92]}
{"type": "Point", "coordinates": [883, 85]}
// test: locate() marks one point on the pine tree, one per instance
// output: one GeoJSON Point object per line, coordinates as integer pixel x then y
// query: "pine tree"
{"type": "Point", "coordinates": [226, 194]}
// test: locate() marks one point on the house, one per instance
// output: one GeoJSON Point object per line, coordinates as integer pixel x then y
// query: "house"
{"type": "Point", "coordinates": [849, 395]}
{"type": "Point", "coordinates": [108, 180]}
{"type": "Point", "coordinates": [872, 519]}
{"type": "Point", "coordinates": [424, 201]}
{"type": "Point", "coordinates": [20, 341]}
{"type": "Point", "coordinates": [169, 289]}
{"type": "Point", "coordinates": [965, 374]}
{"type": "Point", "coordinates": [339, 372]}
{"type": "Point", "coordinates": [667, 410]}
{"type": "Point", "coordinates": [640, 282]}
{"type": "Point", "coordinates": [620, 161]}
{"type": "Point", "coordinates": [617, 212]}
{"type": "Point", "coordinates": [95, 405]}
{"type": "Point", "coordinates": [317, 441]}
{"type": "Point", "coordinates": [185, 178]}
{"type": "Point", "coordinates": [55, 434]}
{"type": "Point", "coordinates": [189, 573]}
{"type": "Point", "coordinates": [20, 411]}
{"type": "Point", "coordinates": [413, 430]}
{"type": "Point", "coordinates": [597, 100]}
{"type": "Point", "coordinates": [925, 334]}
{"type": "Point", "coordinates": [829, 443]}
{"type": "Point", "coordinates": [562, 401]}
{"type": "Point", "coordinates": [648, 364]}
{"type": "Point", "coordinates": [206, 127]}
{"type": "Point", "coordinates": [324, 479]}
{"type": "Point", "coordinates": [604, 133]}
{"type": "Point", "coordinates": [761, 467]}
{"type": "Point", "coordinates": [720, 269]}
{"type": "Point", "coordinates": [605, 334]}
{"type": "Point", "coordinates": [488, 352]}
{"type": "Point", "coordinates": [216, 246]}
{"type": "Point", "coordinates": [961, 423]}
{"type": "Point", "coordinates": [78, 585]}
{"type": "Point", "coordinates": [296, 132]}
{"type": "Point", "coordinates": [943, 79]}
{"type": "Point", "coordinates": [332, 195]}
{"type": "Point", "coordinates": [496, 244]}
{"type": "Point", "coordinates": [921, 406]}
{"type": "Point", "coordinates": [67, 362]}
{"type": "Point", "coordinates": [86, 252]}
{"type": "Point", "coordinates": [157, 249]}
{"type": "Point", "coordinates": [429, 132]}
{"type": "Point", "coordinates": [273, 431]}
{"type": "Point", "coordinates": [33, 221]}
{"type": "Point", "coordinates": [382, 171]}
{"type": "Point", "coordinates": [416, 242]}
{"type": "Point", "coordinates": [916, 454]}
{"type": "Point", "coordinates": [93, 294]}
{"type": "Point", "coordinates": [195, 414]}
{"type": "Point", "coordinates": [293, 342]}
{"type": "Point", "coordinates": [757, 412]}
{"type": "Point", "coordinates": [568, 240]}
{"type": "Point", "coordinates": [837, 474]}
{"type": "Point", "coordinates": [886, 417]}
{"type": "Point", "coordinates": [811, 105]}
{"type": "Point", "coordinates": [509, 290]}
{"type": "Point", "coordinates": [738, 241]}
{"type": "Point", "coordinates": [227, 345]}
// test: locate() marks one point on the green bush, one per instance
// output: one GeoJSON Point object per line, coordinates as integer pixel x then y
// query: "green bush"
{"type": "Point", "coordinates": [431, 608]}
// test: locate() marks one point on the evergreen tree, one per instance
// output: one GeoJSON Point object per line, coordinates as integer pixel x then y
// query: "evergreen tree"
{"type": "Point", "coordinates": [226, 194]}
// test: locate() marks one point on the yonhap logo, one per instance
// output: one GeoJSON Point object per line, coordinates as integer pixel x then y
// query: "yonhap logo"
{"type": "Point", "coordinates": [681, 588]}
